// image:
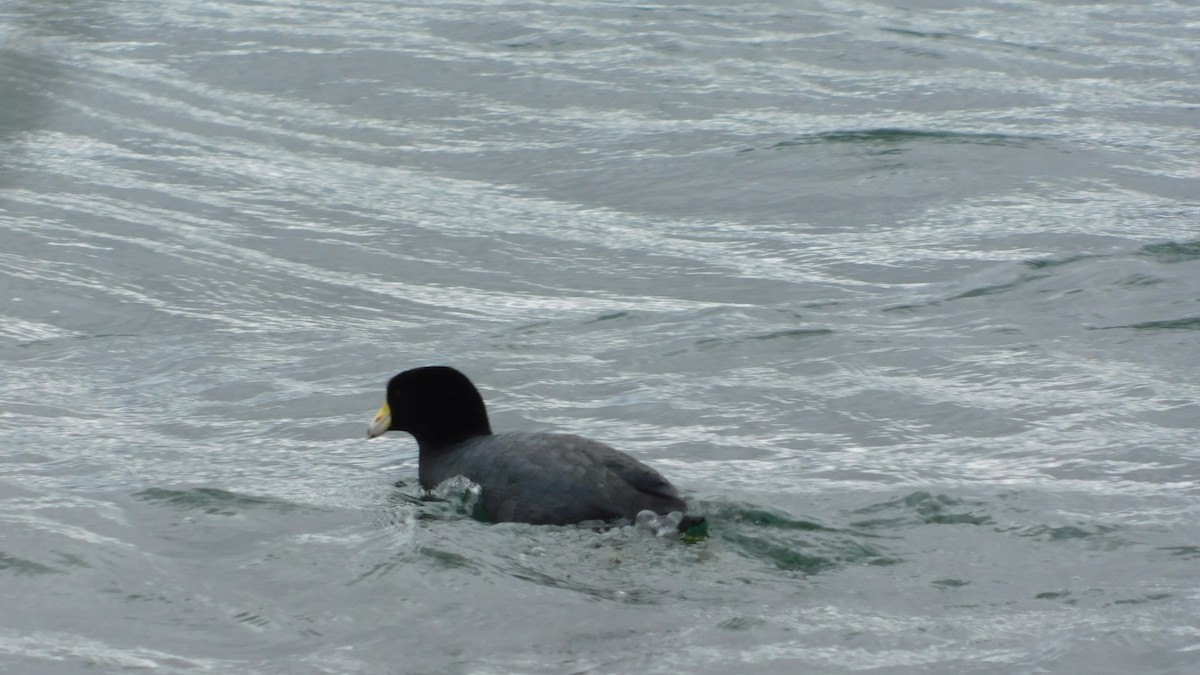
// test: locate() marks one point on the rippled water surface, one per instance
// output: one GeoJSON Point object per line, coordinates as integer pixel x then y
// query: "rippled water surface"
{"type": "Point", "coordinates": [906, 299]}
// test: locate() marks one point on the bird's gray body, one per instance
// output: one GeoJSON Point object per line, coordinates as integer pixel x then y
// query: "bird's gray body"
{"type": "Point", "coordinates": [551, 479]}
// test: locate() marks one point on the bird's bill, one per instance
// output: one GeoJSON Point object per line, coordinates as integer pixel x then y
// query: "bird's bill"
{"type": "Point", "coordinates": [382, 422]}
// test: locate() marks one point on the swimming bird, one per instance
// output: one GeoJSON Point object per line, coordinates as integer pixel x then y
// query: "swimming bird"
{"type": "Point", "coordinates": [539, 478]}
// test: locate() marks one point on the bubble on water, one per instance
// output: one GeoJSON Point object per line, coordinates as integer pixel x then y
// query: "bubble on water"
{"type": "Point", "coordinates": [660, 525]}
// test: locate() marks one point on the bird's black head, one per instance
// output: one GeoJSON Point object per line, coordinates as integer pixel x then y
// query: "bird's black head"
{"type": "Point", "coordinates": [438, 405]}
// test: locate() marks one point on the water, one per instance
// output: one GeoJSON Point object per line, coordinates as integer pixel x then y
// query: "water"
{"type": "Point", "coordinates": [906, 299]}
